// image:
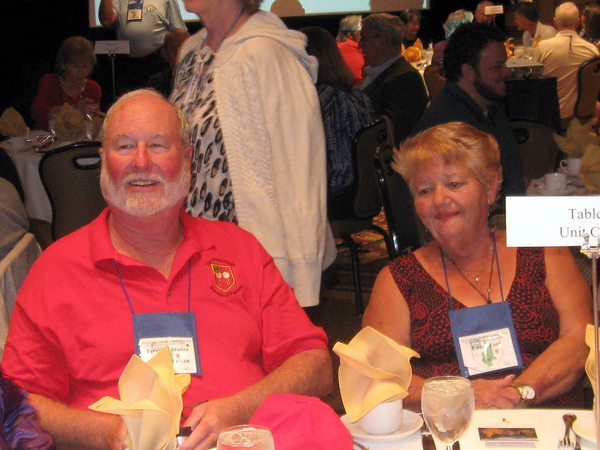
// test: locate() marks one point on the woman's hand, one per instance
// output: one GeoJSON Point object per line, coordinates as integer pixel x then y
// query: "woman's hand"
{"type": "Point", "coordinates": [496, 394]}
{"type": "Point", "coordinates": [88, 108]}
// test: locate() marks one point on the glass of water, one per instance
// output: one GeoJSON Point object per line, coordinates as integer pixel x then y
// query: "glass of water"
{"type": "Point", "coordinates": [244, 437]}
{"type": "Point", "coordinates": [447, 404]}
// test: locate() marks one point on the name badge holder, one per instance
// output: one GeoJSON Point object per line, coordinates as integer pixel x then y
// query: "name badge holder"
{"type": "Point", "coordinates": [484, 336]}
{"type": "Point", "coordinates": [134, 11]}
{"type": "Point", "coordinates": [177, 330]}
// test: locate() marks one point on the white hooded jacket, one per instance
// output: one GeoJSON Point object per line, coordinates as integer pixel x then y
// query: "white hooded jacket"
{"type": "Point", "coordinates": [272, 128]}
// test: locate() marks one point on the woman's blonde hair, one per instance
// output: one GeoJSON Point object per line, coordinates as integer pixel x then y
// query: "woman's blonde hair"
{"type": "Point", "coordinates": [454, 142]}
{"type": "Point", "coordinates": [73, 49]}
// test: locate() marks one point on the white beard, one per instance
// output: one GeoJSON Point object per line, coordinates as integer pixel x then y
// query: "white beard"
{"type": "Point", "coordinates": [144, 204]}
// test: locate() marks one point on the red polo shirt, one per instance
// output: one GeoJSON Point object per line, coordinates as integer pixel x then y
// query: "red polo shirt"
{"type": "Point", "coordinates": [71, 332]}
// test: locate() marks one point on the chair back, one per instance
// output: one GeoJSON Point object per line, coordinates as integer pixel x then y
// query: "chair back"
{"type": "Point", "coordinates": [588, 88]}
{"type": "Point", "coordinates": [14, 267]}
{"type": "Point", "coordinates": [379, 133]}
{"type": "Point", "coordinates": [387, 179]}
{"type": "Point", "coordinates": [539, 151]}
{"type": "Point", "coordinates": [435, 79]}
{"type": "Point", "coordinates": [71, 177]}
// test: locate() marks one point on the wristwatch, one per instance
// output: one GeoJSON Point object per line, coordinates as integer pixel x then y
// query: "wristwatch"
{"type": "Point", "coordinates": [526, 392]}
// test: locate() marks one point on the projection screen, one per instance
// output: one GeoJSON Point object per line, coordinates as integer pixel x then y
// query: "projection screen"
{"type": "Point", "coordinates": [294, 8]}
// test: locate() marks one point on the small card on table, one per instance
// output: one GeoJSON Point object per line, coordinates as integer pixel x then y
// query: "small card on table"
{"type": "Point", "coordinates": [508, 437]}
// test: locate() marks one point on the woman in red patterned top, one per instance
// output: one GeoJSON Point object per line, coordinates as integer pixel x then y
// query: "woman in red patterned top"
{"type": "Point", "coordinates": [70, 84]}
{"type": "Point", "coordinates": [454, 173]}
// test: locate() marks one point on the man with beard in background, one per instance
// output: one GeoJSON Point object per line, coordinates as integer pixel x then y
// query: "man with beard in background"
{"type": "Point", "coordinates": [475, 66]}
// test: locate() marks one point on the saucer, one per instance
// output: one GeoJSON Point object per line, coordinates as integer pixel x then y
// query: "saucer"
{"type": "Point", "coordinates": [542, 190]}
{"type": "Point", "coordinates": [564, 170]}
{"type": "Point", "coordinates": [411, 423]}
{"type": "Point", "coordinates": [585, 427]}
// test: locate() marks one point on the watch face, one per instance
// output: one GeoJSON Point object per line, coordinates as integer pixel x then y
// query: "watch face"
{"type": "Point", "coordinates": [528, 392]}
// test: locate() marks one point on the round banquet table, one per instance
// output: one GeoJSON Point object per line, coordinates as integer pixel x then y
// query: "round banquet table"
{"type": "Point", "coordinates": [36, 201]}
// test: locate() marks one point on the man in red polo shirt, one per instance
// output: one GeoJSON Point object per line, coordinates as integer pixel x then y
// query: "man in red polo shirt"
{"type": "Point", "coordinates": [100, 294]}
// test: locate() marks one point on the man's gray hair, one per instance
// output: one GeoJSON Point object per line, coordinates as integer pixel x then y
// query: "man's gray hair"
{"type": "Point", "coordinates": [184, 126]}
{"type": "Point", "coordinates": [567, 15]}
{"type": "Point", "coordinates": [383, 24]}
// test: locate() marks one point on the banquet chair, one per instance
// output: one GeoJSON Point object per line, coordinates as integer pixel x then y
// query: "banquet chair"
{"type": "Point", "coordinates": [71, 177]}
{"type": "Point", "coordinates": [588, 89]}
{"type": "Point", "coordinates": [367, 203]}
{"type": "Point", "coordinates": [434, 79]}
{"type": "Point", "coordinates": [14, 267]}
{"type": "Point", "coordinates": [539, 151]}
{"type": "Point", "coordinates": [387, 179]}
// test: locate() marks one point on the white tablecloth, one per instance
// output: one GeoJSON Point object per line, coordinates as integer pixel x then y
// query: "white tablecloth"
{"type": "Point", "coordinates": [36, 201]}
{"type": "Point", "coordinates": [547, 422]}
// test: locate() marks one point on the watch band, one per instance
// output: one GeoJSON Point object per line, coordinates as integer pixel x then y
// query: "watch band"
{"type": "Point", "coordinates": [526, 392]}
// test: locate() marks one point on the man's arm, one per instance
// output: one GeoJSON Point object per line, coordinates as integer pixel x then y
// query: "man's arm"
{"type": "Point", "coordinates": [106, 13]}
{"type": "Point", "coordinates": [76, 429]}
{"type": "Point", "coordinates": [307, 373]}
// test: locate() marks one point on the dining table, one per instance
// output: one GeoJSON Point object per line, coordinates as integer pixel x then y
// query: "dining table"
{"type": "Point", "coordinates": [27, 162]}
{"type": "Point", "coordinates": [547, 423]}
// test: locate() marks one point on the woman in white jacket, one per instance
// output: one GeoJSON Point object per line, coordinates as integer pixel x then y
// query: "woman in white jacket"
{"type": "Point", "coordinates": [246, 84]}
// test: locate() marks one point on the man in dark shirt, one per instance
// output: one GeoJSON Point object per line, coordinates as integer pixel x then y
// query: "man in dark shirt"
{"type": "Point", "coordinates": [475, 68]}
{"type": "Point", "coordinates": [397, 90]}
{"type": "Point", "coordinates": [394, 86]}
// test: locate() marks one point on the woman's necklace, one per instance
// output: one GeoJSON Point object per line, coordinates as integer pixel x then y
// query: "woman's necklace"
{"type": "Point", "coordinates": [477, 277]}
{"type": "Point", "coordinates": [72, 90]}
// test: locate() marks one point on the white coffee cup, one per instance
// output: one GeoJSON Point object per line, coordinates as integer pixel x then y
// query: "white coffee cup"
{"type": "Point", "coordinates": [385, 418]}
{"type": "Point", "coordinates": [529, 52]}
{"type": "Point", "coordinates": [519, 51]}
{"type": "Point", "coordinates": [571, 165]}
{"type": "Point", "coordinates": [555, 181]}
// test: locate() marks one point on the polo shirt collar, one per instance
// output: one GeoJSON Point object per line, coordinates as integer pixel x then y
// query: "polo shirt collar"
{"type": "Point", "coordinates": [102, 248]}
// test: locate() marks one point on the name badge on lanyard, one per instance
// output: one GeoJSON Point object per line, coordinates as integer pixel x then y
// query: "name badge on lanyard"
{"type": "Point", "coordinates": [134, 11]}
{"type": "Point", "coordinates": [177, 330]}
{"type": "Point", "coordinates": [484, 336]}
{"type": "Point", "coordinates": [485, 339]}
{"type": "Point", "coordinates": [154, 331]}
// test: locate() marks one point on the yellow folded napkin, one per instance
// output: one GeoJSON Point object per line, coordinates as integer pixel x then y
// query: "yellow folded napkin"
{"type": "Point", "coordinates": [412, 54]}
{"type": "Point", "coordinates": [578, 138]}
{"type": "Point", "coordinates": [589, 171]}
{"type": "Point", "coordinates": [12, 123]}
{"type": "Point", "coordinates": [373, 369]}
{"type": "Point", "coordinates": [151, 403]}
{"type": "Point", "coordinates": [590, 364]}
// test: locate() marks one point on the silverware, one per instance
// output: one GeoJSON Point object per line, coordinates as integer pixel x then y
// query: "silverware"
{"type": "Point", "coordinates": [566, 442]}
{"type": "Point", "coordinates": [427, 438]}
{"type": "Point", "coordinates": [577, 438]}
{"type": "Point", "coordinates": [359, 446]}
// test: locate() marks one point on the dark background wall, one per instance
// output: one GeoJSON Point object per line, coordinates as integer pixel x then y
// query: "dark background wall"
{"type": "Point", "coordinates": [34, 29]}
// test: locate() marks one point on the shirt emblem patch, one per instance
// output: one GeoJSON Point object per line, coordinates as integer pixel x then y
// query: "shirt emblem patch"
{"type": "Point", "coordinates": [223, 277]}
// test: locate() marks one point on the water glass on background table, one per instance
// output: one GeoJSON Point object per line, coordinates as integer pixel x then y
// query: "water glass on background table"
{"type": "Point", "coordinates": [246, 437]}
{"type": "Point", "coordinates": [447, 404]}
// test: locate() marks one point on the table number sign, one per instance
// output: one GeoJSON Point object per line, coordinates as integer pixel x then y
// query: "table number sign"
{"type": "Point", "coordinates": [111, 48]}
{"type": "Point", "coordinates": [551, 221]}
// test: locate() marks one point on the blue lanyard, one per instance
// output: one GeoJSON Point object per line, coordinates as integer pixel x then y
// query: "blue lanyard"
{"type": "Point", "coordinates": [493, 233]}
{"type": "Point", "coordinates": [127, 294]}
